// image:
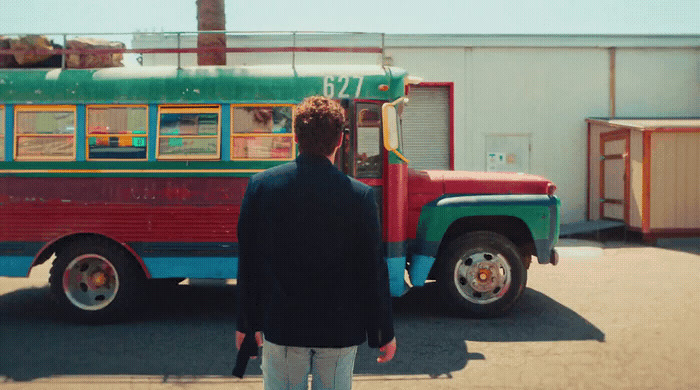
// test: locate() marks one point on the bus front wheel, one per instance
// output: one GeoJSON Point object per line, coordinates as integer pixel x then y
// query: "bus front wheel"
{"type": "Point", "coordinates": [94, 281]}
{"type": "Point", "coordinates": [481, 274]}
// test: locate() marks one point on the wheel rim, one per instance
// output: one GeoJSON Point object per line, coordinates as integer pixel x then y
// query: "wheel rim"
{"type": "Point", "coordinates": [90, 282]}
{"type": "Point", "coordinates": [482, 277]}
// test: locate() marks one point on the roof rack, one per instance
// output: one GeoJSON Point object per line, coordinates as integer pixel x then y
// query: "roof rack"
{"type": "Point", "coordinates": [296, 42]}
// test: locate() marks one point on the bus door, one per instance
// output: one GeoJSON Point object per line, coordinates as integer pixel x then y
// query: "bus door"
{"type": "Point", "coordinates": [362, 154]}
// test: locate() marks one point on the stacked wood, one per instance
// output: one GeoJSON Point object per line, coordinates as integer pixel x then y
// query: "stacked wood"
{"type": "Point", "coordinates": [28, 46]}
{"type": "Point", "coordinates": [6, 60]}
{"type": "Point", "coordinates": [94, 60]}
{"type": "Point", "coordinates": [33, 51]}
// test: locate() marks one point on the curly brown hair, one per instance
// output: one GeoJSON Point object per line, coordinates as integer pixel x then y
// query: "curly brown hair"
{"type": "Point", "coordinates": [318, 124]}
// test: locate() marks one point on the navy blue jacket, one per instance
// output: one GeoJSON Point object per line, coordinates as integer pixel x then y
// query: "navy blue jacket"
{"type": "Point", "coordinates": [310, 271]}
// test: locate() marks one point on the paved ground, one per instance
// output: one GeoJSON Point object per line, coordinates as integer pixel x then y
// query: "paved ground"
{"type": "Point", "coordinates": [615, 316]}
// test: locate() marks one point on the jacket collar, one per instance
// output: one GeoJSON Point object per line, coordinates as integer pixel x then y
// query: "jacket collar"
{"type": "Point", "coordinates": [307, 158]}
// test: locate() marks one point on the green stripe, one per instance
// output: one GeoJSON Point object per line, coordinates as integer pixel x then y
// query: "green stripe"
{"type": "Point", "coordinates": [107, 168]}
{"type": "Point", "coordinates": [195, 85]}
{"type": "Point", "coordinates": [533, 210]}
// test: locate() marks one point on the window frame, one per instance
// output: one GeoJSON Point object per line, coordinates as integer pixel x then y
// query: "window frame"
{"type": "Point", "coordinates": [44, 108]}
{"type": "Point", "coordinates": [359, 104]}
{"type": "Point", "coordinates": [195, 109]}
{"type": "Point", "coordinates": [286, 135]}
{"type": "Point", "coordinates": [87, 131]}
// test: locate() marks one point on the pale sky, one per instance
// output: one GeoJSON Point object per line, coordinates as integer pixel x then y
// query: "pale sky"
{"type": "Point", "coordinates": [388, 16]}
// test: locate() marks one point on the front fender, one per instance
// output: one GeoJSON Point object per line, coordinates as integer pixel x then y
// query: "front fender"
{"type": "Point", "coordinates": [540, 213]}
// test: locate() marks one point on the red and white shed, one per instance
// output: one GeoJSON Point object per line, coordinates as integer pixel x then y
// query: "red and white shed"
{"type": "Point", "coordinates": [645, 172]}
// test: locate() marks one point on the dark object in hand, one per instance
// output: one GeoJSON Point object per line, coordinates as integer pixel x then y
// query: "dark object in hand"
{"type": "Point", "coordinates": [248, 348]}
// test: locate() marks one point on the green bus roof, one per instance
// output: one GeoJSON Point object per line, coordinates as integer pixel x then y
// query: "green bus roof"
{"type": "Point", "coordinates": [204, 84]}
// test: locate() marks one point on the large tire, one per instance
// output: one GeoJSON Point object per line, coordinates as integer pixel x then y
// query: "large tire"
{"type": "Point", "coordinates": [95, 280]}
{"type": "Point", "coordinates": [481, 274]}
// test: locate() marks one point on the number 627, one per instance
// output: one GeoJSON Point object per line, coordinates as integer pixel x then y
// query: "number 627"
{"type": "Point", "coordinates": [331, 84]}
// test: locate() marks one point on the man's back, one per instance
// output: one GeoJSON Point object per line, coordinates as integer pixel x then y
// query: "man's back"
{"type": "Point", "coordinates": [314, 245]}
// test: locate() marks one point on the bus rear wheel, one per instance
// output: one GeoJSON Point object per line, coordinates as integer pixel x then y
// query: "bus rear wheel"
{"type": "Point", "coordinates": [481, 274]}
{"type": "Point", "coordinates": [94, 281]}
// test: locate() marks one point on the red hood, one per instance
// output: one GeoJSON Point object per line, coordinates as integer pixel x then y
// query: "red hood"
{"type": "Point", "coordinates": [464, 182]}
{"type": "Point", "coordinates": [426, 186]}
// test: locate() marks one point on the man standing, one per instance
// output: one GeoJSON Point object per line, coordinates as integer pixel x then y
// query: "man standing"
{"type": "Point", "coordinates": [311, 274]}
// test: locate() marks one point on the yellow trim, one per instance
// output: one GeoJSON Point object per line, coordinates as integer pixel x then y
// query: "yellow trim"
{"type": "Point", "coordinates": [190, 108]}
{"type": "Point", "coordinates": [262, 105]}
{"type": "Point", "coordinates": [188, 136]}
{"type": "Point", "coordinates": [44, 108]}
{"type": "Point", "coordinates": [401, 156]}
{"type": "Point", "coordinates": [130, 170]}
{"type": "Point", "coordinates": [193, 106]}
{"type": "Point", "coordinates": [263, 135]}
{"type": "Point", "coordinates": [37, 135]}
{"type": "Point", "coordinates": [234, 134]}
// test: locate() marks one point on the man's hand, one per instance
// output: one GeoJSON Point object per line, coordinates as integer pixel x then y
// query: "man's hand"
{"type": "Point", "coordinates": [239, 340]}
{"type": "Point", "coordinates": [388, 350]}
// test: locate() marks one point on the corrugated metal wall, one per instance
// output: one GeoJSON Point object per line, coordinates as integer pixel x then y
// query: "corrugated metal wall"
{"type": "Point", "coordinates": [426, 128]}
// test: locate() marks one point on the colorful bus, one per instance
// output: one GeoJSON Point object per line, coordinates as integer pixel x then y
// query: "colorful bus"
{"type": "Point", "coordinates": [121, 176]}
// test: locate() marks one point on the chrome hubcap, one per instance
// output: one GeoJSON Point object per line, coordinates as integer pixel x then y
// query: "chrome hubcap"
{"type": "Point", "coordinates": [482, 277]}
{"type": "Point", "coordinates": [90, 282]}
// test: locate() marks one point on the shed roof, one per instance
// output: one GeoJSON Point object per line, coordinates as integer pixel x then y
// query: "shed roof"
{"type": "Point", "coordinates": [650, 124]}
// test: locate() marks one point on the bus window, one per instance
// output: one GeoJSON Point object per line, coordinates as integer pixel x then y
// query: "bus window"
{"type": "Point", "coordinates": [368, 154]}
{"type": "Point", "coordinates": [189, 132]}
{"type": "Point", "coordinates": [262, 132]}
{"type": "Point", "coordinates": [44, 133]}
{"type": "Point", "coordinates": [117, 132]}
{"type": "Point", "coordinates": [2, 133]}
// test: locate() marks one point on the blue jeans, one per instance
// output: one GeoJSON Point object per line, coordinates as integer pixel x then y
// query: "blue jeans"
{"type": "Point", "coordinates": [288, 368]}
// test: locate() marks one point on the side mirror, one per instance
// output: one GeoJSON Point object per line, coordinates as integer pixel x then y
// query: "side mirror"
{"type": "Point", "coordinates": [391, 127]}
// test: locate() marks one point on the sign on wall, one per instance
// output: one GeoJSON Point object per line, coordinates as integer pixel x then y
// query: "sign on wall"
{"type": "Point", "coordinates": [508, 153]}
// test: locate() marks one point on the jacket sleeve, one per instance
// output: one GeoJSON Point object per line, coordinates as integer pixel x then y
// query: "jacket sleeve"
{"type": "Point", "coordinates": [377, 299]}
{"type": "Point", "coordinates": [249, 272]}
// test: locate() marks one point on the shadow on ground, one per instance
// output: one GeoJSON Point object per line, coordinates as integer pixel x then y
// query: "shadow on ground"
{"type": "Point", "coordinates": [187, 330]}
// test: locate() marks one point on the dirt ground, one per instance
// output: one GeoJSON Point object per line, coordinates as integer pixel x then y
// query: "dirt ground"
{"type": "Point", "coordinates": [618, 315]}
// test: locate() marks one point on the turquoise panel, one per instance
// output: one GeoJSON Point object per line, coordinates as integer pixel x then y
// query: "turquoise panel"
{"type": "Point", "coordinates": [80, 132]}
{"type": "Point", "coordinates": [152, 131]}
{"type": "Point", "coordinates": [192, 267]}
{"type": "Point", "coordinates": [225, 132]}
{"type": "Point", "coordinates": [419, 269]}
{"type": "Point", "coordinates": [397, 269]}
{"type": "Point", "coordinates": [16, 266]}
{"type": "Point", "coordinates": [9, 131]}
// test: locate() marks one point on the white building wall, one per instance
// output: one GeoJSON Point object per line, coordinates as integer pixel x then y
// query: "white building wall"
{"type": "Point", "coordinates": [658, 83]}
{"type": "Point", "coordinates": [547, 93]}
